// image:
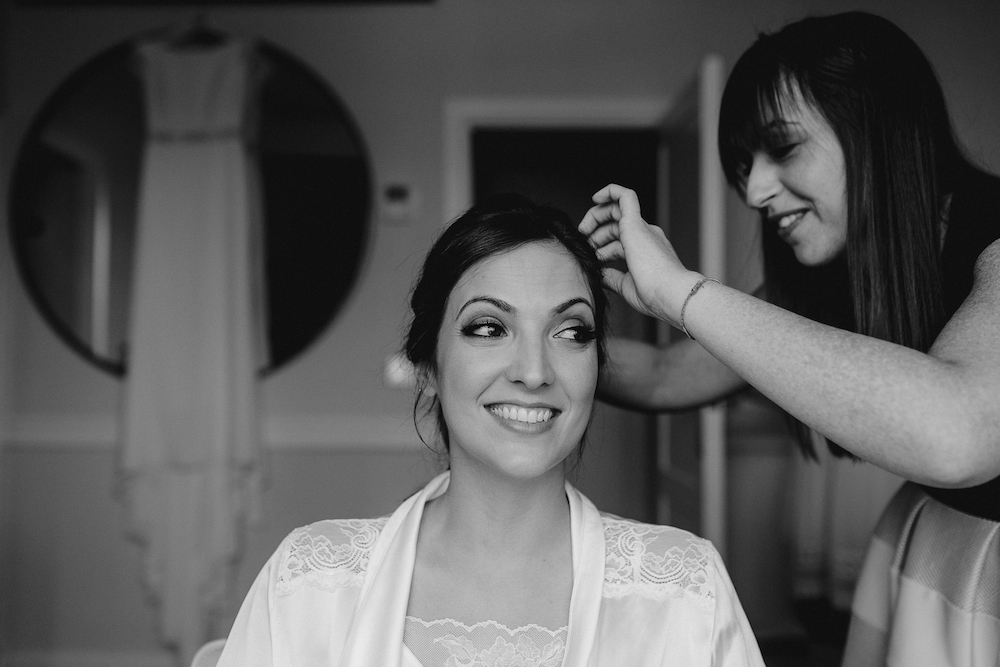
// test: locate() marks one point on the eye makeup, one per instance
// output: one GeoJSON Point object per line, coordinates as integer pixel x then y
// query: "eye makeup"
{"type": "Point", "coordinates": [483, 327]}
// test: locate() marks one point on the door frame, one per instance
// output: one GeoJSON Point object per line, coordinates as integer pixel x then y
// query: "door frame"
{"type": "Point", "coordinates": [463, 114]}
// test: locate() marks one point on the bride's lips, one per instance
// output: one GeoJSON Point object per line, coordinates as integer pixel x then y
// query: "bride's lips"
{"type": "Point", "coordinates": [524, 418]}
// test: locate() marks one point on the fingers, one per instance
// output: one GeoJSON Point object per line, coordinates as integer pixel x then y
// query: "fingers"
{"type": "Point", "coordinates": [611, 251]}
{"type": "Point", "coordinates": [604, 234]}
{"type": "Point", "coordinates": [626, 199]}
{"type": "Point", "coordinates": [628, 203]}
{"type": "Point", "coordinates": [612, 200]}
{"type": "Point", "coordinates": [615, 206]}
{"type": "Point", "coordinates": [615, 192]}
{"type": "Point", "coordinates": [614, 279]}
{"type": "Point", "coordinates": [599, 215]}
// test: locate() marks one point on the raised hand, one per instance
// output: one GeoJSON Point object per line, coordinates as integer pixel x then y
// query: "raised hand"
{"type": "Point", "coordinates": [655, 282]}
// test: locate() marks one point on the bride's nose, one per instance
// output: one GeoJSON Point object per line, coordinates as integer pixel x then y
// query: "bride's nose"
{"type": "Point", "coordinates": [530, 364]}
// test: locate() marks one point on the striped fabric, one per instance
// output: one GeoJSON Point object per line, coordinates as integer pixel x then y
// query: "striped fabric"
{"type": "Point", "coordinates": [929, 590]}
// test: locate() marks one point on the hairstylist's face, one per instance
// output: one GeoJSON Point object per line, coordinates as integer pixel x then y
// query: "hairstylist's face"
{"type": "Point", "coordinates": [799, 184]}
{"type": "Point", "coordinates": [517, 362]}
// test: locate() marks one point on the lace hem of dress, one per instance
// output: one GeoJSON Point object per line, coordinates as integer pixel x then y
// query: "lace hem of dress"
{"type": "Point", "coordinates": [450, 643]}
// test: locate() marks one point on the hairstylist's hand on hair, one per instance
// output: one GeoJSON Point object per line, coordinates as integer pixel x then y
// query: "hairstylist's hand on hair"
{"type": "Point", "coordinates": [655, 282]}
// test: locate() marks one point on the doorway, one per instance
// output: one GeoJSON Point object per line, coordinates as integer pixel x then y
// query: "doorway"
{"type": "Point", "coordinates": [563, 167]}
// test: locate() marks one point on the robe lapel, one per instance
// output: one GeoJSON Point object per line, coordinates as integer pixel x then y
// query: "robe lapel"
{"type": "Point", "coordinates": [376, 637]}
{"type": "Point", "coordinates": [587, 532]}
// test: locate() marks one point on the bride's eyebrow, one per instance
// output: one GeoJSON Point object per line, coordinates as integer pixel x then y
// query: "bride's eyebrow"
{"type": "Point", "coordinates": [507, 308]}
{"type": "Point", "coordinates": [499, 303]}
{"type": "Point", "coordinates": [572, 302]}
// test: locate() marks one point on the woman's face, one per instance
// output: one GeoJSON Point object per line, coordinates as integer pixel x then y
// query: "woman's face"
{"type": "Point", "coordinates": [517, 362]}
{"type": "Point", "coordinates": [799, 184]}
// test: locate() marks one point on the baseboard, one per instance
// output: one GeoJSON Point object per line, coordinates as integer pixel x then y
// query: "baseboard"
{"type": "Point", "coordinates": [85, 658]}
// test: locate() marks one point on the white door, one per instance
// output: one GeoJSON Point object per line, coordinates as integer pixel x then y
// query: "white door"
{"type": "Point", "coordinates": [691, 447]}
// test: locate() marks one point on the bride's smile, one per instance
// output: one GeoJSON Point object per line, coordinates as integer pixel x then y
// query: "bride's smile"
{"type": "Point", "coordinates": [516, 364]}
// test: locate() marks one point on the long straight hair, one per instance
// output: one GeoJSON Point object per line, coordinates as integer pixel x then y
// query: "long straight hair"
{"type": "Point", "coordinates": [879, 94]}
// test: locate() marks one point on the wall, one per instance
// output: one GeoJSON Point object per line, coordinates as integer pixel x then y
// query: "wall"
{"type": "Point", "coordinates": [341, 440]}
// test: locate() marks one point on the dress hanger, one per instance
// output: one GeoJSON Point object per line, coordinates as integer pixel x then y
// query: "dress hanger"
{"type": "Point", "coordinates": [197, 35]}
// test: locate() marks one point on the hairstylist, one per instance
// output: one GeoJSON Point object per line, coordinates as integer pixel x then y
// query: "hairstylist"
{"type": "Point", "coordinates": [878, 324]}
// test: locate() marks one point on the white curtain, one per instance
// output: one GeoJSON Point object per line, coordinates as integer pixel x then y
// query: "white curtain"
{"type": "Point", "coordinates": [189, 473]}
{"type": "Point", "coordinates": [836, 506]}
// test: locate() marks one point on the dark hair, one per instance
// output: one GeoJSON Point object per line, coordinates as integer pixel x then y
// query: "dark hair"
{"type": "Point", "coordinates": [496, 225]}
{"type": "Point", "coordinates": [879, 93]}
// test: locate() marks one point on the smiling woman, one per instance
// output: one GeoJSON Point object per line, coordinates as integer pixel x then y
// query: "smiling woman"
{"type": "Point", "coordinates": [499, 557]}
{"type": "Point", "coordinates": [798, 185]}
{"type": "Point", "coordinates": [516, 366]}
{"type": "Point", "coordinates": [878, 322]}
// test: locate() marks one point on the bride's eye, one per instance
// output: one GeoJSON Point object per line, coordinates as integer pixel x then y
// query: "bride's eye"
{"type": "Point", "coordinates": [484, 328]}
{"type": "Point", "coordinates": [579, 333]}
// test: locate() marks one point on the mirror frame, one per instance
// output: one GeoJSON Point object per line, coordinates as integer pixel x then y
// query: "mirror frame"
{"type": "Point", "coordinates": [57, 101]}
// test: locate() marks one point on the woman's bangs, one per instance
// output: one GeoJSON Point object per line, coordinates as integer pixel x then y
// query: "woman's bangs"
{"type": "Point", "coordinates": [746, 122]}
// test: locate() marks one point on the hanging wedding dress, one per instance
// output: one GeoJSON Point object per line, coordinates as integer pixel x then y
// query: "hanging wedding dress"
{"type": "Point", "coordinates": [189, 454]}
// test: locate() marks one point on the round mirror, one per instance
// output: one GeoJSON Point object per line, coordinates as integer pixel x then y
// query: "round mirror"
{"type": "Point", "coordinates": [75, 185]}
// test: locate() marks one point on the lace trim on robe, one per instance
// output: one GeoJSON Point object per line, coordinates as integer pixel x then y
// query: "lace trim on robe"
{"type": "Point", "coordinates": [450, 643]}
{"type": "Point", "coordinates": [655, 562]}
{"type": "Point", "coordinates": [328, 554]}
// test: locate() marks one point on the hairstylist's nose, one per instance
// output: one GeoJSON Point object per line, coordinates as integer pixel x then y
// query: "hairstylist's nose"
{"type": "Point", "coordinates": [762, 181]}
{"type": "Point", "coordinates": [530, 365]}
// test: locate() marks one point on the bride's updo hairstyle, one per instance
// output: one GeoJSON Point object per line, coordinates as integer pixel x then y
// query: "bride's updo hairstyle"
{"type": "Point", "coordinates": [494, 226]}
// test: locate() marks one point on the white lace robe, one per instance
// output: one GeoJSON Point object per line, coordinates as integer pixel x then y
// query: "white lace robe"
{"type": "Point", "coordinates": [335, 594]}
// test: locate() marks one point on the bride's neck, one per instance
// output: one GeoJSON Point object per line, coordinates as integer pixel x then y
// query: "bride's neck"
{"type": "Point", "coordinates": [501, 516]}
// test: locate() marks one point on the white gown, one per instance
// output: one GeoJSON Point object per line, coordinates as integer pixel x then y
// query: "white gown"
{"type": "Point", "coordinates": [335, 593]}
{"type": "Point", "coordinates": [189, 450]}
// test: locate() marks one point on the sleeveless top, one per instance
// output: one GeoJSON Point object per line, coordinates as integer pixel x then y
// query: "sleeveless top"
{"type": "Point", "coordinates": [973, 224]}
{"type": "Point", "coordinates": [447, 642]}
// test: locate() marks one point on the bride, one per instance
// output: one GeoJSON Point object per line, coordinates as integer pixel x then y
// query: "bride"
{"type": "Point", "coordinates": [498, 561]}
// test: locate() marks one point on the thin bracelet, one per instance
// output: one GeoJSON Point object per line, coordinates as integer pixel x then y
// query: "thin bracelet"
{"type": "Point", "coordinates": [697, 286]}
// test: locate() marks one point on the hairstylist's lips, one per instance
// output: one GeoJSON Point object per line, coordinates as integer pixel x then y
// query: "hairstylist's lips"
{"type": "Point", "coordinates": [520, 418]}
{"type": "Point", "coordinates": [787, 221]}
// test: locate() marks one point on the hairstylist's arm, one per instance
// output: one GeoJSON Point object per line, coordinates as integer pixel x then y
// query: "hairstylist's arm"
{"type": "Point", "coordinates": [642, 376]}
{"type": "Point", "coordinates": [933, 418]}
{"type": "Point", "coordinates": [678, 376]}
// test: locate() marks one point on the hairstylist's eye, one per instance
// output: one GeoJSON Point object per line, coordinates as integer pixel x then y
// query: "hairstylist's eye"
{"type": "Point", "coordinates": [578, 333]}
{"type": "Point", "coordinates": [743, 174]}
{"type": "Point", "coordinates": [484, 327]}
{"type": "Point", "coordinates": [783, 151]}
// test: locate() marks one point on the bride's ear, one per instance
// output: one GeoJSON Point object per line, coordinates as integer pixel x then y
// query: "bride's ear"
{"type": "Point", "coordinates": [426, 380]}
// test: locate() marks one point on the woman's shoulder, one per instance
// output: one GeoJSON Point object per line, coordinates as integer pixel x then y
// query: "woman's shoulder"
{"type": "Point", "coordinates": [338, 530]}
{"type": "Point", "coordinates": [661, 537]}
{"type": "Point", "coordinates": [328, 554]}
{"type": "Point", "coordinates": [658, 562]}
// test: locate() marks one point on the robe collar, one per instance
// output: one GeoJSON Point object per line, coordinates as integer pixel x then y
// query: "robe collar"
{"type": "Point", "coordinates": [376, 636]}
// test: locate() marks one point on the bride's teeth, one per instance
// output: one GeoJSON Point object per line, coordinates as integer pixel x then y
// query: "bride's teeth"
{"type": "Point", "coordinates": [532, 416]}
